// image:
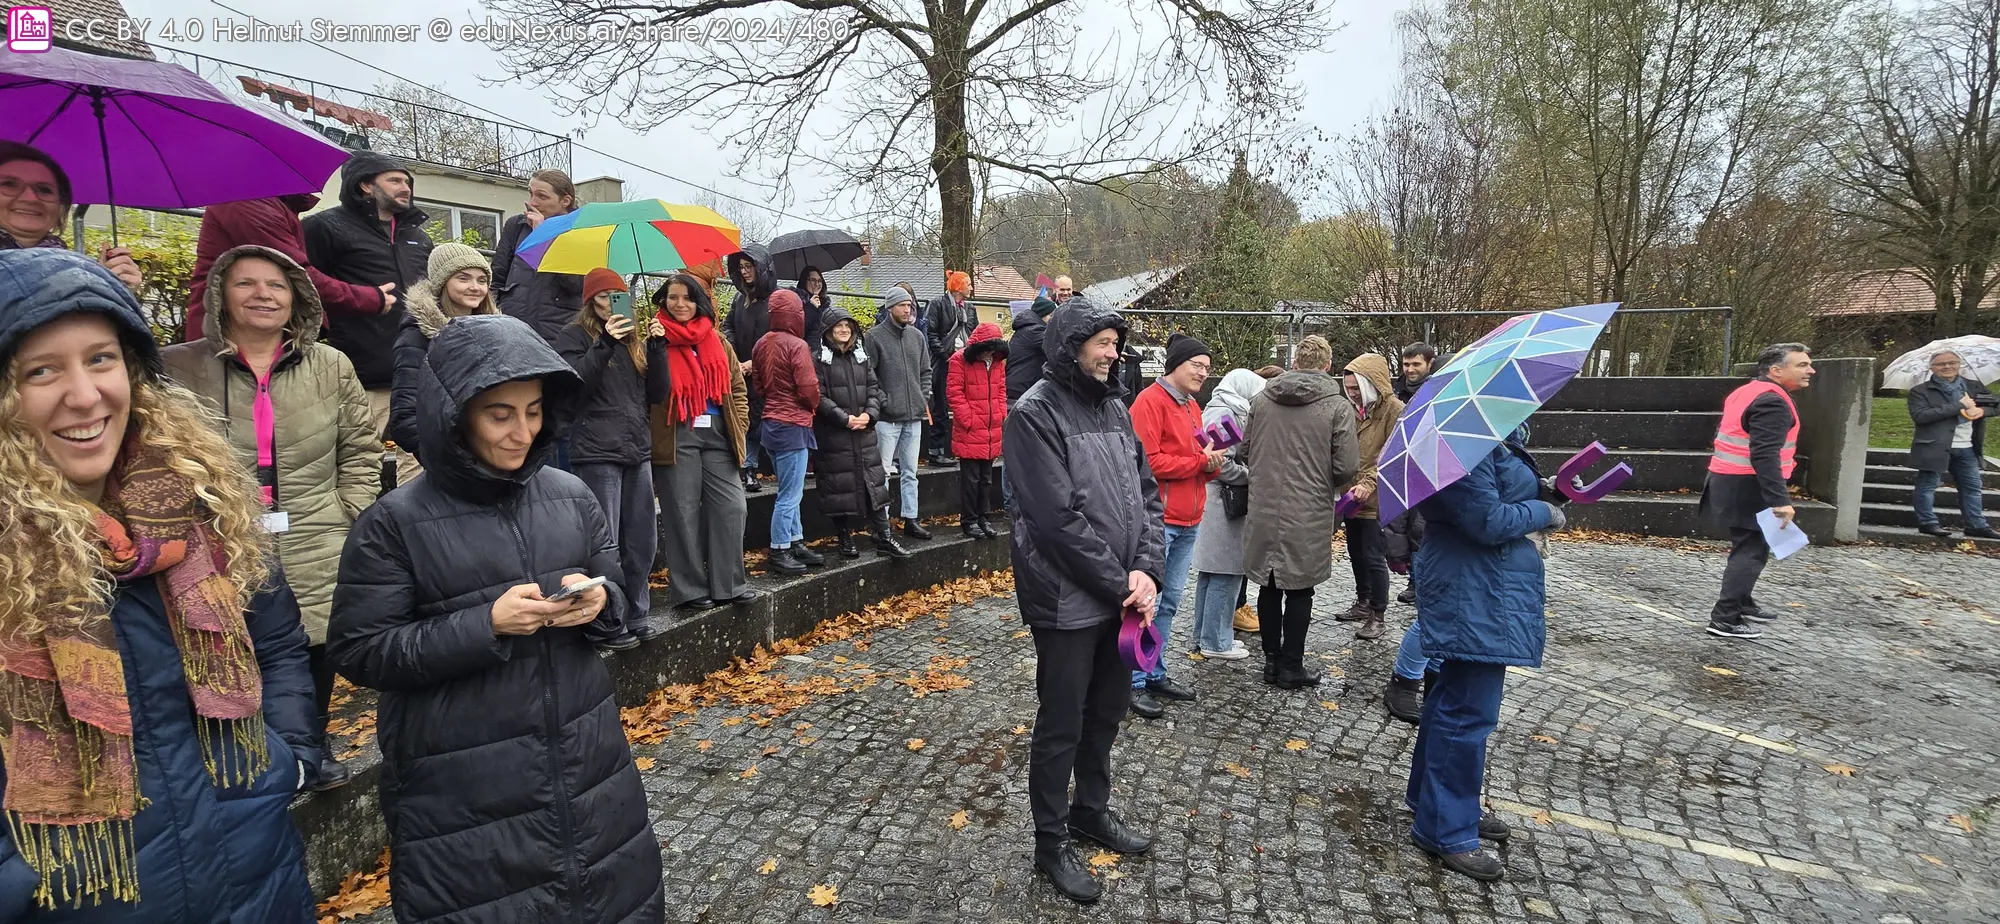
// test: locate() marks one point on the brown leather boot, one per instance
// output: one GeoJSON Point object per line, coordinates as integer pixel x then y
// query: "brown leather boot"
{"type": "Point", "coordinates": [1356, 613]}
{"type": "Point", "coordinates": [1371, 628]}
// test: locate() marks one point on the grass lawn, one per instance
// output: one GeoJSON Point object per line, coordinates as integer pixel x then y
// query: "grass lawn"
{"type": "Point", "coordinates": [1889, 425]}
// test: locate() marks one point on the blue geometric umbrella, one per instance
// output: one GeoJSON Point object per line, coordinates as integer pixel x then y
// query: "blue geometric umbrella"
{"type": "Point", "coordinates": [1481, 396]}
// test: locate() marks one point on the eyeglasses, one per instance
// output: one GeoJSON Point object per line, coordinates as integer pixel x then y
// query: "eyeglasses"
{"type": "Point", "coordinates": [12, 187]}
{"type": "Point", "coordinates": [1202, 368]}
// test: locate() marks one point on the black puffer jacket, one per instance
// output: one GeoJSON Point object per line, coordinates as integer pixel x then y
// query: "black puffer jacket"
{"type": "Point", "coordinates": [1024, 352]}
{"type": "Point", "coordinates": [547, 301]}
{"type": "Point", "coordinates": [507, 784]}
{"type": "Point", "coordinates": [848, 465]}
{"type": "Point", "coordinates": [749, 317]}
{"type": "Point", "coordinates": [611, 426]}
{"type": "Point", "coordinates": [352, 245]}
{"type": "Point", "coordinates": [1086, 509]}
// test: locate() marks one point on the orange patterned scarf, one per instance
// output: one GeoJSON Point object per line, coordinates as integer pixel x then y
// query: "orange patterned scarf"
{"type": "Point", "coordinates": [65, 718]}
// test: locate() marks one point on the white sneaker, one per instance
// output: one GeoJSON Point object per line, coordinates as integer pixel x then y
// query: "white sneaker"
{"type": "Point", "coordinates": [1237, 653]}
{"type": "Point", "coordinates": [1235, 645]}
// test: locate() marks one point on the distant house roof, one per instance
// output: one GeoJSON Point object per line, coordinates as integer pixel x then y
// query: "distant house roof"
{"type": "Point", "coordinates": [107, 14]}
{"type": "Point", "coordinates": [1892, 291]}
{"type": "Point", "coordinates": [1125, 290]}
{"type": "Point", "coordinates": [878, 273]}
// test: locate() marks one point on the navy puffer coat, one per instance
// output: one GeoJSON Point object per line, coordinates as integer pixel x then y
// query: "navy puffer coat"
{"type": "Point", "coordinates": [1480, 590]}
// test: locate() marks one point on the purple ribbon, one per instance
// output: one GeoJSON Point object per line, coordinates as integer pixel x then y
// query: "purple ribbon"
{"type": "Point", "coordinates": [1569, 478]}
{"type": "Point", "coordinates": [1138, 642]}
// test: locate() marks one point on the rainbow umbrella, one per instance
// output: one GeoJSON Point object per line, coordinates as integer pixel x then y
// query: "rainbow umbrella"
{"type": "Point", "coordinates": [646, 236]}
{"type": "Point", "coordinates": [1480, 397]}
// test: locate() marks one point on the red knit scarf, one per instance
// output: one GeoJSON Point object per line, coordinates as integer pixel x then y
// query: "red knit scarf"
{"type": "Point", "coordinates": [695, 364]}
{"type": "Point", "coordinates": [66, 717]}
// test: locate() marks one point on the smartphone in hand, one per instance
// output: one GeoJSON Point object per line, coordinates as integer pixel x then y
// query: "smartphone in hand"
{"type": "Point", "coordinates": [621, 306]}
{"type": "Point", "coordinates": [577, 588]}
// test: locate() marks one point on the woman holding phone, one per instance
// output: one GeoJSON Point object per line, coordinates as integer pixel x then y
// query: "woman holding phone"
{"type": "Point", "coordinates": [624, 368]}
{"type": "Point", "coordinates": [508, 787]}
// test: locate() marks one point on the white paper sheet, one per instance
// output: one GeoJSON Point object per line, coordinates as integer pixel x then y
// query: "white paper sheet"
{"type": "Point", "coordinates": [1783, 540]}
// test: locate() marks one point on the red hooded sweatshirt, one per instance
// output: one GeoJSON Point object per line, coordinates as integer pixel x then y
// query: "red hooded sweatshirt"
{"type": "Point", "coordinates": [269, 222]}
{"type": "Point", "coordinates": [1166, 428]}
{"type": "Point", "coordinates": [783, 366]}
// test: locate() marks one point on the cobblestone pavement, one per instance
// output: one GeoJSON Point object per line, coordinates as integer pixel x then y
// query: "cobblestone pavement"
{"type": "Point", "coordinates": [1652, 773]}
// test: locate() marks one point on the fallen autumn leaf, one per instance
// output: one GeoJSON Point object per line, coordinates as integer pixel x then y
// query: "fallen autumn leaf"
{"type": "Point", "coordinates": [1840, 769]}
{"type": "Point", "coordinates": [1236, 770]}
{"type": "Point", "coordinates": [1961, 821]}
{"type": "Point", "coordinates": [643, 763]}
{"type": "Point", "coordinates": [1545, 739]}
{"type": "Point", "coordinates": [914, 744]}
{"type": "Point", "coordinates": [1296, 744]}
{"type": "Point", "coordinates": [823, 895]}
{"type": "Point", "coordinates": [1726, 672]}
{"type": "Point", "coordinates": [770, 866]}
{"type": "Point", "coordinates": [1103, 859]}
{"type": "Point", "coordinates": [959, 820]}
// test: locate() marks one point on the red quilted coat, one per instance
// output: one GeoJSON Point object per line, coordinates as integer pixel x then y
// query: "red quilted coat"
{"type": "Point", "coordinates": [978, 394]}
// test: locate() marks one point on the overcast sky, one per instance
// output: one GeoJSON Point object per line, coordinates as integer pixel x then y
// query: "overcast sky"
{"type": "Point", "coordinates": [1343, 84]}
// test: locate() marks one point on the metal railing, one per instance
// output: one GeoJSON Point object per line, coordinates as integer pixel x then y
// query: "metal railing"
{"type": "Point", "coordinates": [420, 132]}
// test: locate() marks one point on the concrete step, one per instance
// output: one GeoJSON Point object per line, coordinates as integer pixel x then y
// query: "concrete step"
{"type": "Point", "coordinates": [1642, 393]}
{"type": "Point", "coordinates": [1899, 457]}
{"type": "Point", "coordinates": [1903, 495]}
{"type": "Point", "coordinates": [1676, 430]}
{"type": "Point", "coordinates": [1903, 515]}
{"type": "Point", "coordinates": [1910, 538]}
{"type": "Point", "coordinates": [1890, 474]}
{"type": "Point", "coordinates": [1658, 470]}
{"type": "Point", "coordinates": [1678, 515]}
{"type": "Point", "coordinates": [343, 828]}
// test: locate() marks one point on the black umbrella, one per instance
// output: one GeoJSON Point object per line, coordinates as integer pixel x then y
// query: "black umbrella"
{"type": "Point", "coordinates": [826, 248]}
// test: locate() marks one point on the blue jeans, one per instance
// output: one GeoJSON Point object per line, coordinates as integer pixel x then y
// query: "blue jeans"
{"type": "Point", "coordinates": [1965, 474]}
{"type": "Point", "coordinates": [1215, 610]}
{"type": "Point", "coordinates": [1006, 491]}
{"type": "Point", "coordinates": [786, 527]}
{"type": "Point", "coordinates": [1180, 558]}
{"type": "Point", "coordinates": [1410, 661]}
{"type": "Point", "coordinates": [1448, 767]}
{"type": "Point", "coordinates": [903, 442]}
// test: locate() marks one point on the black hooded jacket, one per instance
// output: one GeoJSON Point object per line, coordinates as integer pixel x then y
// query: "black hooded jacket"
{"type": "Point", "coordinates": [351, 244]}
{"type": "Point", "coordinates": [508, 788]}
{"type": "Point", "coordinates": [749, 317]}
{"type": "Point", "coordinates": [848, 464]}
{"type": "Point", "coordinates": [611, 423]}
{"type": "Point", "coordinates": [1024, 352]}
{"type": "Point", "coordinates": [815, 310]}
{"type": "Point", "coordinates": [547, 301]}
{"type": "Point", "coordinates": [1086, 508]}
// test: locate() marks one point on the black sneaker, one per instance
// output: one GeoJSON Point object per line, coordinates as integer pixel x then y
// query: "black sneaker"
{"type": "Point", "coordinates": [806, 556]}
{"type": "Point", "coordinates": [1169, 688]}
{"type": "Point", "coordinates": [1982, 532]}
{"type": "Point", "coordinates": [1405, 699]}
{"type": "Point", "coordinates": [1107, 829]}
{"type": "Point", "coordinates": [1145, 706]}
{"type": "Point", "coordinates": [1067, 873]}
{"type": "Point", "coordinates": [750, 485]}
{"type": "Point", "coordinates": [1493, 829]}
{"type": "Point", "coordinates": [1738, 629]}
{"type": "Point", "coordinates": [1932, 529]}
{"type": "Point", "coordinates": [1759, 616]}
{"type": "Point", "coordinates": [1409, 595]}
{"type": "Point", "coordinates": [623, 641]}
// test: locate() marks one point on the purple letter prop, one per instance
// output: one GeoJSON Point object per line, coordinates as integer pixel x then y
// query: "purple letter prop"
{"type": "Point", "coordinates": [1224, 434]}
{"type": "Point", "coordinates": [1569, 478]}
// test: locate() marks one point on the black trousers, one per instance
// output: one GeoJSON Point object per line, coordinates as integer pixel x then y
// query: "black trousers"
{"type": "Point", "coordinates": [1370, 559]}
{"type": "Point", "coordinates": [1283, 617]}
{"type": "Point", "coordinates": [1748, 554]}
{"type": "Point", "coordinates": [322, 676]}
{"type": "Point", "coordinates": [1084, 688]}
{"type": "Point", "coordinates": [975, 488]}
{"type": "Point", "coordinates": [937, 433]}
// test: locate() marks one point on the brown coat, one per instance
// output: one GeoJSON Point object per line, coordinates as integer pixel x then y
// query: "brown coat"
{"type": "Point", "coordinates": [1300, 450]}
{"type": "Point", "coordinates": [1375, 429]}
{"type": "Point", "coordinates": [735, 416]}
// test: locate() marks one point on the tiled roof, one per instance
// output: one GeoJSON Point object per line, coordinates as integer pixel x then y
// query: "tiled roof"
{"type": "Point", "coordinates": [1120, 293]}
{"type": "Point", "coordinates": [105, 12]}
{"type": "Point", "coordinates": [1000, 282]}
{"type": "Point", "coordinates": [1881, 292]}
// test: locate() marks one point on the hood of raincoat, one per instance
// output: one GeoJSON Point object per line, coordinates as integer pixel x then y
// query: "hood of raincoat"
{"type": "Point", "coordinates": [307, 312]}
{"type": "Point", "coordinates": [468, 357]}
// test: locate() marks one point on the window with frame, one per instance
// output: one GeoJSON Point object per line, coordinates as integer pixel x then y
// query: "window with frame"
{"type": "Point", "coordinates": [477, 227]}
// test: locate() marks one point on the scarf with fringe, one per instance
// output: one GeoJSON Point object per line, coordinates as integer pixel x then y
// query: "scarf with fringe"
{"type": "Point", "coordinates": [65, 716]}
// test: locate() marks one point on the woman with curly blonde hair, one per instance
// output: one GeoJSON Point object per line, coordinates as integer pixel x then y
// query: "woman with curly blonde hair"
{"type": "Point", "coordinates": [154, 693]}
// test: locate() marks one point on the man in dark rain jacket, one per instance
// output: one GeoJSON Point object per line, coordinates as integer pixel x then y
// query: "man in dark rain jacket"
{"type": "Point", "coordinates": [1088, 543]}
{"type": "Point", "coordinates": [749, 319]}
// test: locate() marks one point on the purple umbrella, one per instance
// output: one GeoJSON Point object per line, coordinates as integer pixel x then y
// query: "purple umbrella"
{"type": "Point", "coordinates": [180, 142]}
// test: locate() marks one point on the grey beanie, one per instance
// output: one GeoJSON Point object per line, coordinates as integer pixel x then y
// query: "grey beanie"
{"type": "Point", "coordinates": [896, 296]}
